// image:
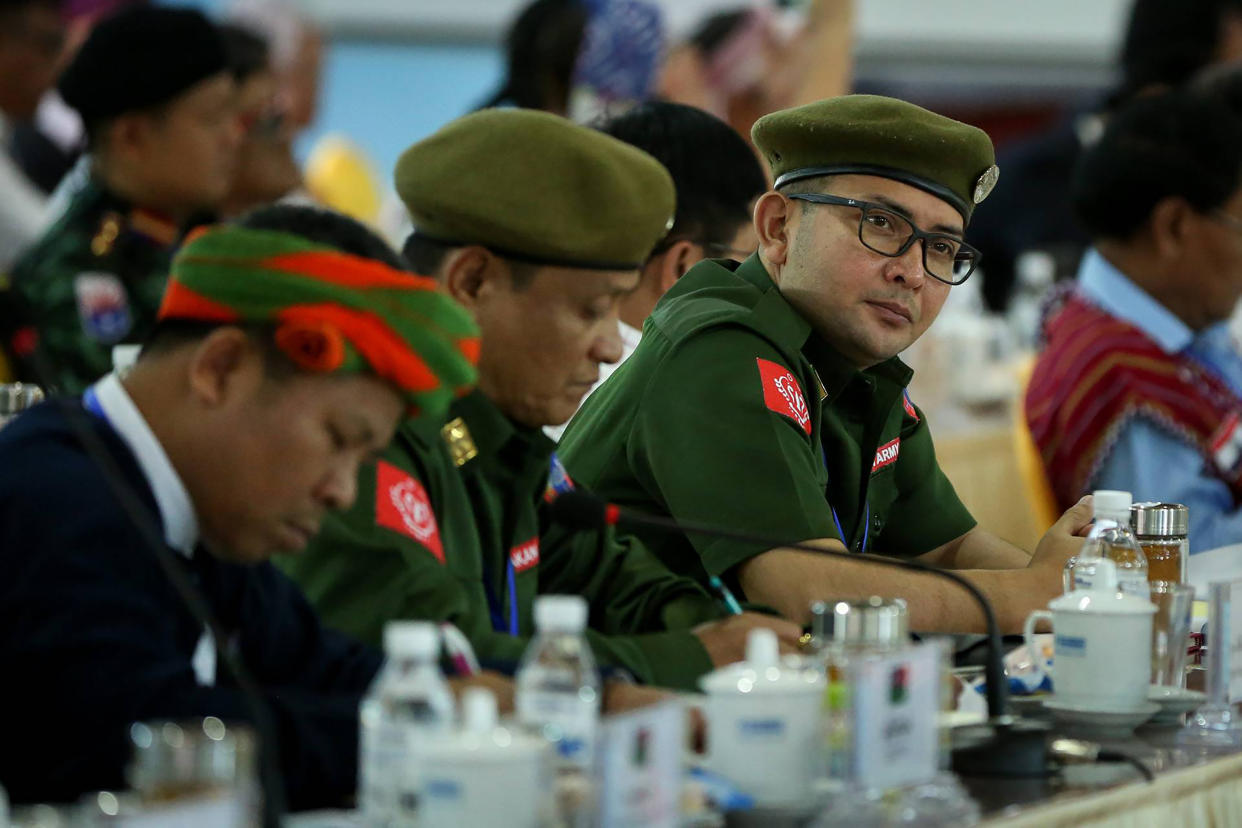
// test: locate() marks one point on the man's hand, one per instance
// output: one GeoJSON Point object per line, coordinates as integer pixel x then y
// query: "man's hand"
{"type": "Point", "coordinates": [500, 685]}
{"type": "Point", "coordinates": [1057, 546]}
{"type": "Point", "coordinates": [620, 696]}
{"type": "Point", "coordinates": [725, 640]}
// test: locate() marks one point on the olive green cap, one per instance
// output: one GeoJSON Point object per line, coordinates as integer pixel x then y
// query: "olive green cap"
{"type": "Point", "coordinates": [537, 187]}
{"type": "Point", "coordinates": [874, 135]}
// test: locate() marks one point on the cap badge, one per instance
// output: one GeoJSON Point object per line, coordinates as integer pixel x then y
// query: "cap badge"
{"type": "Point", "coordinates": [985, 183]}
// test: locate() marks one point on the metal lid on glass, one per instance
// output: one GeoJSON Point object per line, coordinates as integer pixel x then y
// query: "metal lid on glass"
{"type": "Point", "coordinates": [871, 622]}
{"type": "Point", "coordinates": [1160, 520]}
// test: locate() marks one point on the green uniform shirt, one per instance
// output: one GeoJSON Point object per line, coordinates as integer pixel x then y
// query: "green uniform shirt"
{"type": "Point", "coordinates": [94, 279]}
{"type": "Point", "coordinates": [733, 412]}
{"type": "Point", "coordinates": [429, 539]}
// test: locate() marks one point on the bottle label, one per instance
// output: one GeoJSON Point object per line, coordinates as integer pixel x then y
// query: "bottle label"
{"type": "Point", "coordinates": [1134, 583]}
{"type": "Point", "coordinates": [563, 719]}
{"type": "Point", "coordinates": [389, 785]}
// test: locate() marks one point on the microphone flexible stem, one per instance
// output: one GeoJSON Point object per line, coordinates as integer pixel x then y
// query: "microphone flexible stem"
{"type": "Point", "coordinates": [996, 689]}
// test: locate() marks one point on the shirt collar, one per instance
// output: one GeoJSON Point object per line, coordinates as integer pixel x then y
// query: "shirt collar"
{"type": "Point", "coordinates": [834, 370]}
{"type": "Point", "coordinates": [1110, 289]}
{"type": "Point", "coordinates": [629, 337]}
{"type": "Point", "coordinates": [176, 510]}
{"type": "Point", "coordinates": [497, 436]}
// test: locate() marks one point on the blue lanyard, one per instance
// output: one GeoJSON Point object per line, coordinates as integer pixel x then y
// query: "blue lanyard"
{"type": "Point", "coordinates": [493, 602]}
{"type": "Point", "coordinates": [836, 520]}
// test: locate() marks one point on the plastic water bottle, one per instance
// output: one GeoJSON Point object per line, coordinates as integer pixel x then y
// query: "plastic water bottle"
{"type": "Point", "coordinates": [558, 686]}
{"type": "Point", "coordinates": [409, 705]}
{"type": "Point", "coordinates": [1112, 538]}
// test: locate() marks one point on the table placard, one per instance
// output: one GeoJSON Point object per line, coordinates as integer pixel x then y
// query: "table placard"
{"type": "Point", "coordinates": [640, 767]}
{"type": "Point", "coordinates": [1232, 624]}
{"type": "Point", "coordinates": [896, 699]}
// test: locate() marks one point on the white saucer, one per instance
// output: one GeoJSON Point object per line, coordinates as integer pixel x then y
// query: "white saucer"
{"type": "Point", "coordinates": [1094, 718]}
{"type": "Point", "coordinates": [1174, 701]}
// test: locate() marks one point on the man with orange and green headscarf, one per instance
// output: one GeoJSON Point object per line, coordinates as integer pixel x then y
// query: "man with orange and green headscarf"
{"type": "Point", "coordinates": [289, 347]}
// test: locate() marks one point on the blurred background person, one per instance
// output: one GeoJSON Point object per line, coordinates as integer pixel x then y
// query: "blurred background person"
{"type": "Point", "coordinates": [745, 62]}
{"type": "Point", "coordinates": [717, 178]}
{"type": "Point", "coordinates": [153, 88]}
{"type": "Point", "coordinates": [32, 38]}
{"type": "Point", "coordinates": [296, 47]}
{"type": "Point", "coordinates": [1140, 385]}
{"type": "Point", "coordinates": [266, 169]}
{"type": "Point", "coordinates": [1166, 42]}
{"type": "Point", "coordinates": [540, 51]}
{"type": "Point", "coordinates": [49, 145]}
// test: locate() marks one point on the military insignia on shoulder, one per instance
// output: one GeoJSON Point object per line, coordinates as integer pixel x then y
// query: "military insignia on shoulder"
{"type": "Point", "coordinates": [559, 480]}
{"type": "Point", "coordinates": [103, 307]}
{"type": "Point", "coordinates": [460, 444]}
{"type": "Point", "coordinates": [908, 406]}
{"type": "Point", "coordinates": [985, 183]}
{"type": "Point", "coordinates": [402, 504]}
{"type": "Point", "coordinates": [105, 237]}
{"type": "Point", "coordinates": [782, 394]}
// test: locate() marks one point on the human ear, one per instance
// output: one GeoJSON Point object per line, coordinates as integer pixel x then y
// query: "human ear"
{"type": "Point", "coordinates": [774, 214]}
{"type": "Point", "coordinates": [221, 364]}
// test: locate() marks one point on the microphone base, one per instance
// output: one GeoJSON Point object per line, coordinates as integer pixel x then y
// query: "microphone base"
{"type": "Point", "coordinates": [1006, 747]}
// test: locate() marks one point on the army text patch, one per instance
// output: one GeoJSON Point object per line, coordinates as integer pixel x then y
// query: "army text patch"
{"type": "Point", "coordinates": [886, 455]}
{"type": "Point", "coordinates": [525, 555]}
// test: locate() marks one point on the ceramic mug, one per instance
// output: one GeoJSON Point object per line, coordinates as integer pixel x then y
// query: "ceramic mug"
{"type": "Point", "coordinates": [1101, 645]}
{"type": "Point", "coordinates": [763, 726]}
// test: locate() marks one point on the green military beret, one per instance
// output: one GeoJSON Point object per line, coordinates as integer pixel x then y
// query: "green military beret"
{"type": "Point", "coordinates": [139, 58]}
{"type": "Point", "coordinates": [536, 187]}
{"type": "Point", "coordinates": [874, 135]}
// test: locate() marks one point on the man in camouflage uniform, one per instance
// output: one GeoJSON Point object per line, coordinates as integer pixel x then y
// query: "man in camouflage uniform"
{"type": "Point", "coordinates": [152, 87]}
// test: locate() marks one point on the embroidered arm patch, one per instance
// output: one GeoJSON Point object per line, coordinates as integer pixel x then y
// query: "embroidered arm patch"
{"type": "Point", "coordinates": [402, 505]}
{"type": "Point", "coordinates": [782, 394]}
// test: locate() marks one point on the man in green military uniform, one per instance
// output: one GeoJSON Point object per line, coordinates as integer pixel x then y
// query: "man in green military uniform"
{"type": "Point", "coordinates": [152, 87]}
{"type": "Point", "coordinates": [538, 226]}
{"type": "Point", "coordinates": [767, 396]}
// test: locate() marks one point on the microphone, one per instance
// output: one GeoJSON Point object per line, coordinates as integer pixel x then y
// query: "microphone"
{"type": "Point", "coordinates": [1007, 746]}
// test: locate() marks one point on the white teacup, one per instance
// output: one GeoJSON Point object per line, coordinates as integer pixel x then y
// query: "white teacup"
{"type": "Point", "coordinates": [763, 731]}
{"type": "Point", "coordinates": [1101, 644]}
{"type": "Point", "coordinates": [485, 774]}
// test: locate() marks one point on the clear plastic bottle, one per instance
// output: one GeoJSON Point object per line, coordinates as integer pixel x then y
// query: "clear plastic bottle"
{"type": "Point", "coordinates": [409, 704]}
{"type": "Point", "coordinates": [558, 685]}
{"type": "Point", "coordinates": [1110, 537]}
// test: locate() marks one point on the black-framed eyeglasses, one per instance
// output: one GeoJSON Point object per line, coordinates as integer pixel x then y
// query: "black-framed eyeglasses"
{"type": "Point", "coordinates": [946, 258]}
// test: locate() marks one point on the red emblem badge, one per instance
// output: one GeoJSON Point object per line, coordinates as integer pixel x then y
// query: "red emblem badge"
{"type": "Point", "coordinates": [525, 555]}
{"type": "Point", "coordinates": [401, 504]}
{"type": "Point", "coordinates": [782, 394]}
{"type": "Point", "coordinates": [886, 455]}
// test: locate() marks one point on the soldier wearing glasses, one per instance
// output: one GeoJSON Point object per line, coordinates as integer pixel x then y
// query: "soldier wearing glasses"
{"type": "Point", "coordinates": [768, 396]}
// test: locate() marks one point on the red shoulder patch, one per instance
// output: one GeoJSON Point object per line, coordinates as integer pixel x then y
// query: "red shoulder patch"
{"type": "Point", "coordinates": [886, 455]}
{"type": "Point", "coordinates": [525, 555]}
{"type": "Point", "coordinates": [782, 394]}
{"type": "Point", "coordinates": [402, 504]}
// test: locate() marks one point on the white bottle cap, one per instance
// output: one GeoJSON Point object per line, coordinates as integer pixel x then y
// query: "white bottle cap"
{"type": "Point", "coordinates": [563, 613]}
{"type": "Point", "coordinates": [411, 639]}
{"type": "Point", "coordinates": [478, 710]}
{"type": "Point", "coordinates": [1113, 505]}
{"type": "Point", "coordinates": [762, 649]}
